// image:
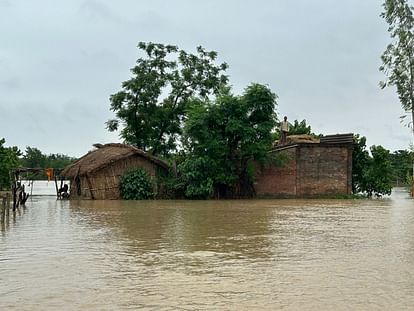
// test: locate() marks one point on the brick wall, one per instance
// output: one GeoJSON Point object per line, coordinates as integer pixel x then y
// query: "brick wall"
{"type": "Point", "coordinates": [322, 170]}
{"type": "Point", "coordinates": [312, 170]}
{"type": "Point", "coordinates": [277, 180]}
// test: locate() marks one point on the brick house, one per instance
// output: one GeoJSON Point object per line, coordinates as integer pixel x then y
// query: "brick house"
{"type": "Point", "coordinates": [310, 169]}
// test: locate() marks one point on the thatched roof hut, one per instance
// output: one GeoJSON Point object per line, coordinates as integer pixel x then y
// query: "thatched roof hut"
{"type": "Point", "coordinates": [96, 174]}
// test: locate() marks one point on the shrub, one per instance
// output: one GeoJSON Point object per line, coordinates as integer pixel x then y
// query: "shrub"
{"type": "Point", "coordinates": [136, 185]}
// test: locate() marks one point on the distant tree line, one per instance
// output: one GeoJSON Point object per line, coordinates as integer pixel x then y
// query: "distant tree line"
{"type": "Point", "coordinates": [33, 157]}
{"type": "Point", "coordinates": [401, 167]}
{"type": "Point", "coordinates": [12, 157]}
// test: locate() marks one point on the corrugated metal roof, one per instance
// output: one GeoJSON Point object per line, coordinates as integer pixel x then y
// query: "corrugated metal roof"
{"type": "Point", "coordinates": [338, 139]}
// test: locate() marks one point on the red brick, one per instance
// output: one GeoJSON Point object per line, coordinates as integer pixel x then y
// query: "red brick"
{"type": "Point", "coordinates": [312, 170]}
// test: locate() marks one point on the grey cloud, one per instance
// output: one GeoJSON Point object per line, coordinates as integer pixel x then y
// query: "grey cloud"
{"type": "Point", "coordinates": [98, 11]}
{"type": "Point", "coordinates": [5, 3]}
{"type": "Point", "coordinates": [64, 59]}
{"type": "Point", "coordinates": [12, 83]}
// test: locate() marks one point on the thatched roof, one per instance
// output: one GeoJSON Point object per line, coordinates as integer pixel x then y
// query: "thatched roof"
{"type": "Point", "coordinates": [309, 139]}
{"type": "Point", "coordinates": [297, 139]}
{"type": "Point", "coordinates": [103, 156]}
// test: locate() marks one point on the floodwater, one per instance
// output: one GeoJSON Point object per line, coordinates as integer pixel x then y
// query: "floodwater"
{"type": "Point", "coordinates": [42, 187]}
{"type": "Point", "coordinates": [209, 255]}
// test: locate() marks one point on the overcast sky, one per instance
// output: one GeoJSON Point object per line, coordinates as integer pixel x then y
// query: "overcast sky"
{"type": "Point", "coordinates": [61, 60]}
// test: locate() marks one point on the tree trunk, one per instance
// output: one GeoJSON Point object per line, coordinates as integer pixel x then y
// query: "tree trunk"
{"type": "Point", "coordinates": [412, 120]}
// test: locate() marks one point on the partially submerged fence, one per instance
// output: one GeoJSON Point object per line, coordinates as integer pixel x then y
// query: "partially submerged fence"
{"type": "Point", "coordinates": [4, 206]}
{"type": "Point", "coordinates": [19, 195]}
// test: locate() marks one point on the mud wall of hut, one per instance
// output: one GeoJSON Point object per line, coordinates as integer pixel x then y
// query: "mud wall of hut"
{"type": "Point", "coordinates": [312, 170]}
{"type": "Point", "coordinates": [103, 184]}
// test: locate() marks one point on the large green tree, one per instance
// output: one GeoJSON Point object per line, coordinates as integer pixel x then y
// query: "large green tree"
{"type": "Point", "coordinates": [398, 58]}
{"type": "Point", "coordinates": [9, 159]}
{"type": "Point", "coordinates": [223, 137]}
{"type": "Point", "coordinates": [151, 106]}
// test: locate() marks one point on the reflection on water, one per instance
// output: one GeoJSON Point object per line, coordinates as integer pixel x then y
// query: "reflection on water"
{"type": "Point", "coordinates": [262, 254]}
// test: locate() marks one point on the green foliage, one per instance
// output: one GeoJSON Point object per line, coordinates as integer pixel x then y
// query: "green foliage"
{"type": "Point", "coordinates": [398, 58]}
{"type": "Point", "coordinates": [151, 105]}
{"type": "Point", "coordinates": [297, 128]}
{"type": "Point", "coordinates": [377, 177]}
{"type": "Point", "coordinates": [300, 128]}
{"type": "Point", "coordinates": [371, 174]}
{"type": "Point", "coordinates": [360, 161]}
{"type": "Point", "coordinates": [222, 137]}
{"type": "Point", "coordinates": [9, 159]}
{"type": "Point", "coordinates": [34, 158]}
{"type": "Point", "coordinates": [410, 174]}
{"type": "Point", "coordinates": [196, 177]}
{"type": "Point", "coordinates": [136, 185]}
{"type": "Point", "coordinates": [57, 160]}
{"type": "Point", "coordinates": [401, 163]}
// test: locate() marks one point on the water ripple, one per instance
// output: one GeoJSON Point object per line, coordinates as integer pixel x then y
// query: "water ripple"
{"type": "Point", "coordinates": [232, 255]}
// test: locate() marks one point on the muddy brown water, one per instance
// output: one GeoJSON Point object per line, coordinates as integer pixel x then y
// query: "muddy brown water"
{"type": "Point", "coordinates": [209, 255]}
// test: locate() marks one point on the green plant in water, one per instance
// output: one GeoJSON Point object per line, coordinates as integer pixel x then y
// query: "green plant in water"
{"type": "Point", "coordinates": [136, 185]}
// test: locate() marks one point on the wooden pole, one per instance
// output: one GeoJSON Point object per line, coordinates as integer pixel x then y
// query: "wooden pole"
{"type": "Point", "coordinates": [56, 185]}
{"type": "Point", "coordinates": [3, 210]}
{"type": "Point", "coordinates": [412, 182]}
{"type": "Point", "coordinates": [14, 196]}
{"type": "Point", "coordinates": [7, 204]}
{"type": "Point", "coordinates": [90, 186]}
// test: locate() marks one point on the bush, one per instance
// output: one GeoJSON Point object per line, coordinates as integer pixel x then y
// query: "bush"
{"type": "Point", "coordinates": [9, 159]}
{"type": "Point", "coordinates": [136, 185]}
